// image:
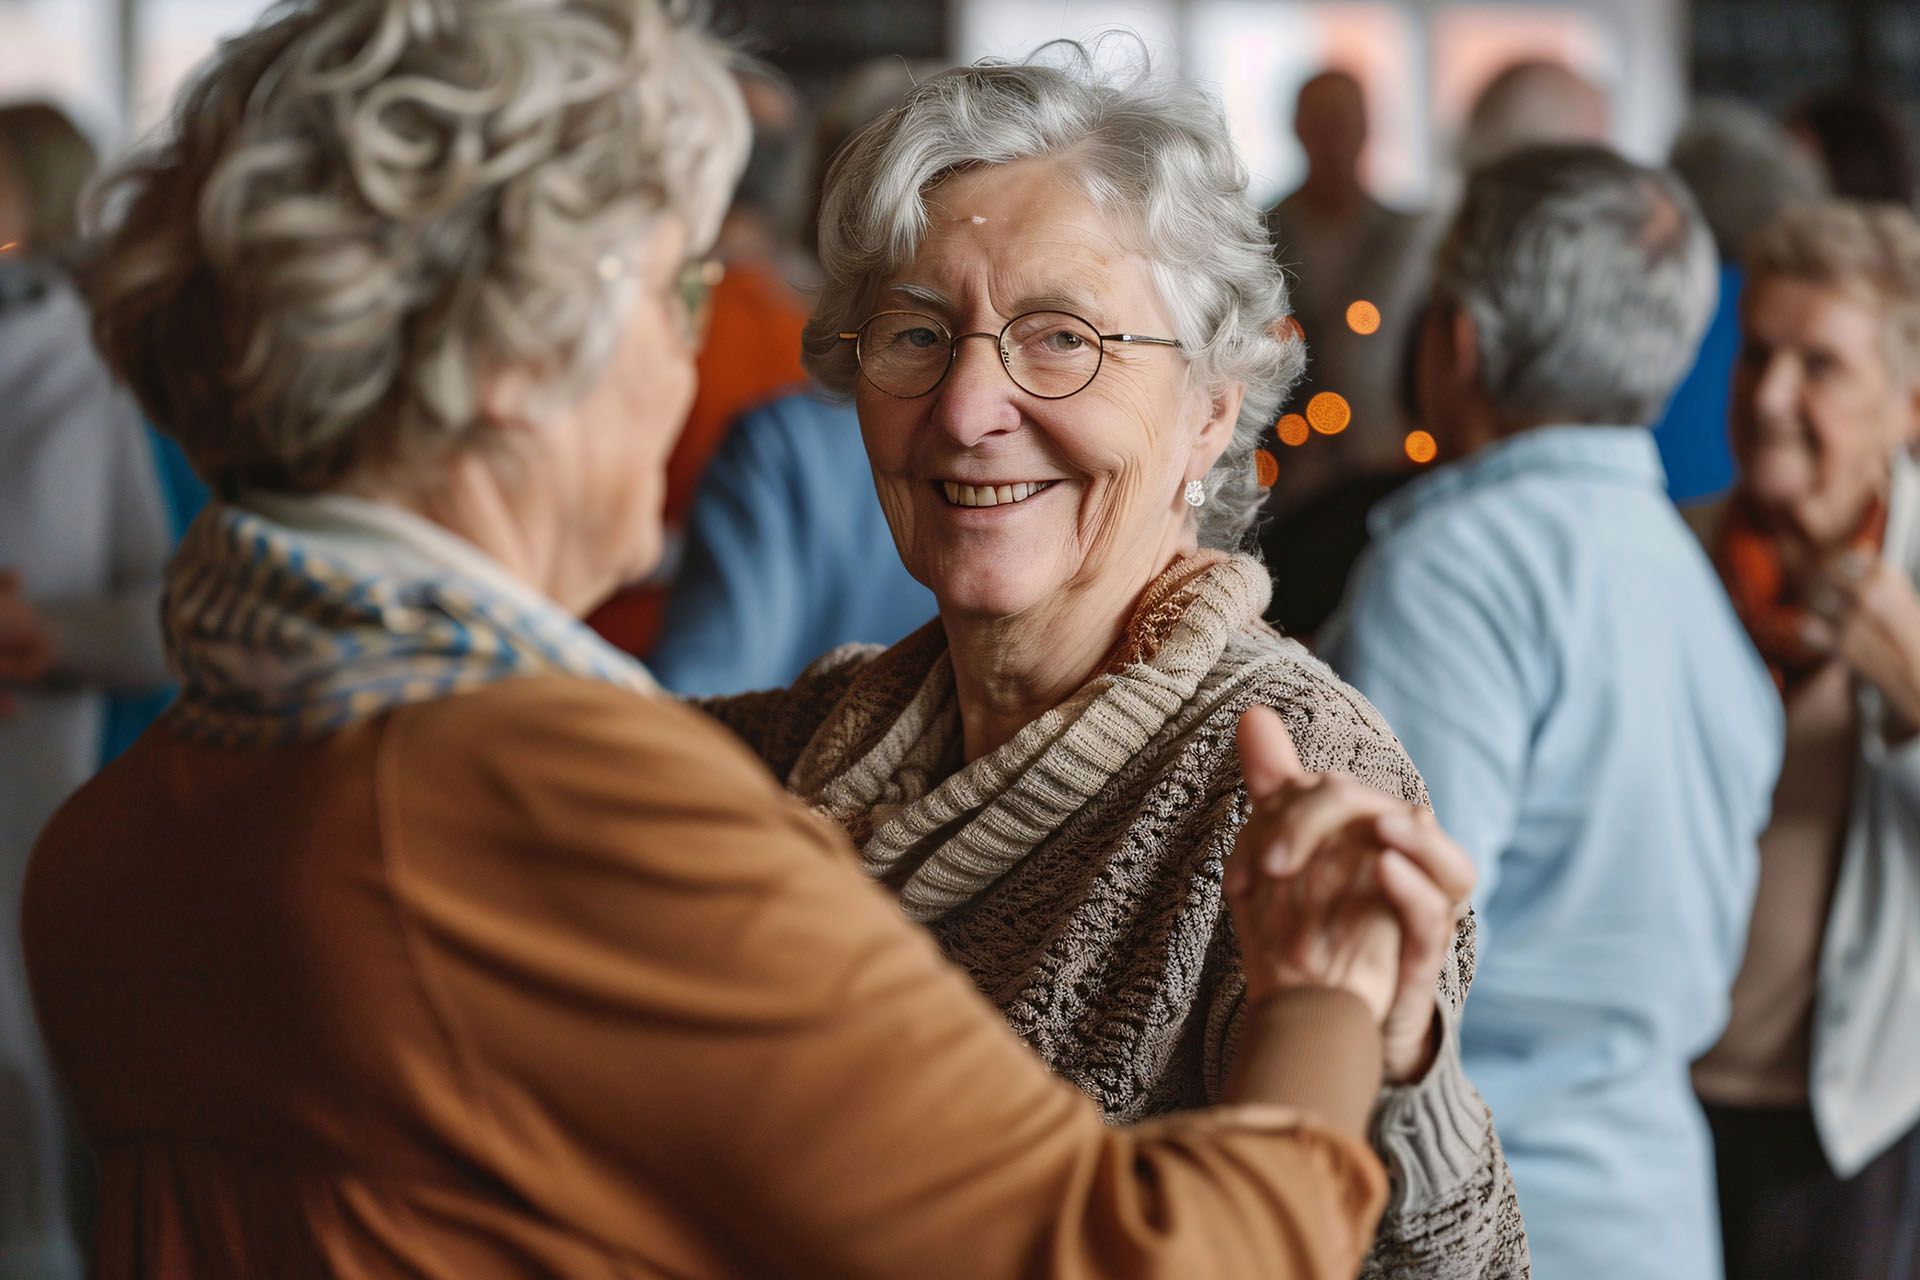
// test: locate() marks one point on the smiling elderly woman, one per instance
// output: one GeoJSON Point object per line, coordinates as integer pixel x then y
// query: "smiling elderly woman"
{"type": "Point", "coordinates": [1061, 323]}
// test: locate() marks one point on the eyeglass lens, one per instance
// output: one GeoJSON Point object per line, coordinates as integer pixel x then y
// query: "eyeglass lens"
{"type": "Point", "coordinates": [1047, 353]}
{"type": "Point", "coordinates": [695, 283]}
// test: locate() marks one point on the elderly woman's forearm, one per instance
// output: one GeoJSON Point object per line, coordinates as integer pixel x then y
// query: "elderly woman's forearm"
{"type": "Point", "coordinates": [1338, 1077]}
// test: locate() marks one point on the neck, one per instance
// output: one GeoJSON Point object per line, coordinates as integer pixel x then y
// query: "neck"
{"type": "Point", "coordinates": [1008, 671]}
{"type": "Point", "coordinates": [1474, 425]}
{"type": "Point", "coordinates": [1803, 557]}
{"type": "Point", "coordinates": [471, 500]}
{"type": "Point", "coordinates": [1332, 195]}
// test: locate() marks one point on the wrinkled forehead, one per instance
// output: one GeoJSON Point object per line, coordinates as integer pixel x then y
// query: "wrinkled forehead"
{"type": "Point", "coordinates": [1032, 229]}
{"type": "Point", "coordinates": [1846, 308]}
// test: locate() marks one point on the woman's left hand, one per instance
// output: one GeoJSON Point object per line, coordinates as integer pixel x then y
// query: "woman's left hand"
{"type": "Point", "coordinates": [1299, 818]}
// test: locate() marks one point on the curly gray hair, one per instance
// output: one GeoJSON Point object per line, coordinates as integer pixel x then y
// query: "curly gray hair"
{"type": "Point", "coordinates": [1154, 153]}
{"type": "Point", "coordinates": [364, 206]}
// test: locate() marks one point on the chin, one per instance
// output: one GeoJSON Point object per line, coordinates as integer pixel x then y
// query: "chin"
{"type": "Point", "coordinates": [993, 590]}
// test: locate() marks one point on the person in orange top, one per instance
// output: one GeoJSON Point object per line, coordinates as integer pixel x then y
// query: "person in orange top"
{"type": "Point", "coordinates": [424, 937]}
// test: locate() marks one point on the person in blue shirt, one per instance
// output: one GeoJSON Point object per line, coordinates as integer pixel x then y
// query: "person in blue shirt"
{"type": "Point", "coordinates": [1743, 169]}
{"type": "Point", "coordinates": [129, 713]}
{"type": "Point", "coordinates": [788, 555]}
{"type": "Point", "coordinates": [1557, 655]}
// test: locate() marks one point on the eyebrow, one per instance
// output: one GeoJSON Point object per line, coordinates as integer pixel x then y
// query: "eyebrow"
{"type": "Point", "coordinates": [1048, 298]}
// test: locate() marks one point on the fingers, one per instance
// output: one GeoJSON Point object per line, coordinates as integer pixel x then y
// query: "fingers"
{"type": "Point", "coordinates": [1816, 633]}
{"type": "Point", "coordinates": [1331, 925]}
{"type": "Point", "coordinates": [1267, 757]}
{"type": "Point", "coordinates": [1418, 835]}
{"type": "Point", "coordinates": [1290, 827]}
{"type": "Point", "coordinates": [1856, 580]}
{"type": "Point", "coordinates": [1852, 568]}
{"type": "Point", "coordinates": [1425, 913]}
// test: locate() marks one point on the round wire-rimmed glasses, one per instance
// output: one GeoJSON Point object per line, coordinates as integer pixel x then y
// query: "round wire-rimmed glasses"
{"type": "Point", "coordinates": [1048, 354]}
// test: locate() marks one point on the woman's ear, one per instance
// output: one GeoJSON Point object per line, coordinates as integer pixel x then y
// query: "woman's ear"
{"type": "Point", "coordinates": [1463, 345]}
{"type": "Point", "coordinates": [507, 398]}
{"type": "Point", "coordinates": [1216, 432]}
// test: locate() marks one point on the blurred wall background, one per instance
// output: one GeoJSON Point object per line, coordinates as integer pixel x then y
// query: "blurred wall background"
{"type": "Point", "coordinates": [116, 63]}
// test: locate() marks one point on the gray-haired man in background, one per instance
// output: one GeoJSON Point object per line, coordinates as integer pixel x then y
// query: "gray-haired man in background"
{"type": "Point", "coordinates": [1553, 647]}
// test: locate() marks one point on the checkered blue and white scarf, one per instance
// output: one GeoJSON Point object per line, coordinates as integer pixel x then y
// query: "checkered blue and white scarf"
{"type": "Point", "coordinates": [291, 618]}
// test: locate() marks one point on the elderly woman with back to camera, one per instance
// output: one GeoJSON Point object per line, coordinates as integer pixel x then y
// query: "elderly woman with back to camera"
{"type": "Point", "coordinates": [1062, 326]}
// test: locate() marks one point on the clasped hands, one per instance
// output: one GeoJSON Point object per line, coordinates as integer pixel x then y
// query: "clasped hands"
{"type": "Point", "coordinates": [1865, 612]}
{"type": "Point", "coordinates": [1335, 884]}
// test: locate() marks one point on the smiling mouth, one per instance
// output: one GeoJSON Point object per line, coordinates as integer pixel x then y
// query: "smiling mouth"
{"type": "Point", "coordinates": [991, 495]}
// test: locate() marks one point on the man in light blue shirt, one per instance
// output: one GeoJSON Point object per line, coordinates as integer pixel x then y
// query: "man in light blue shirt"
{"type": "Point", "coordinates": [1551, 644]}
{"type": "Point", "coordinates": [788, 555]}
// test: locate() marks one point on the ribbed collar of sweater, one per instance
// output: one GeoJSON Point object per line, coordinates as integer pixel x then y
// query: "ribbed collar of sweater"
{"type": "Point", "coordinates": [882, 764]}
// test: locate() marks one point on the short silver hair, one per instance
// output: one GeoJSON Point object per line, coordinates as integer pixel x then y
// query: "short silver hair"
{"type": "Point", "coordinates": [1743, 168]}
{"type": "Point", "coordinates": [363, 207]}
{"type": "Point", "coordinates": [1153, 153]}
{"type": "Point", "coordinates": [1589, 279]}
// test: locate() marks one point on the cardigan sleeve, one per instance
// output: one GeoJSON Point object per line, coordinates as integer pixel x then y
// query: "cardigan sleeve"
{"type": "Point", "coordinates": [661, 973]}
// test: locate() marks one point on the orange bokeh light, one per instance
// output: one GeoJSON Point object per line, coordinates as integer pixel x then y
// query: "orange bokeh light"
{"type": "Point", "coordinates": [1363, 318]}
{"type": "Point", "coordinates": [9, 246]}
{"type": "Point", "coordinates": [1421, 447]}
{"type": "Point", "coordinates": [1293, 429]}
{"type": "Point", "coordinates": [1266, 468]}
{"type": "Point", "coordinates": [1329, 413]}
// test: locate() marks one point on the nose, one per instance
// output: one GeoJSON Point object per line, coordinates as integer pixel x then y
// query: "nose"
{"type": "Point", "coordinates": [977, 399]}
{"type": "Point", "coordinates": [1770, 433]}
{"type": "Point", "coordinates": [1776, 393]}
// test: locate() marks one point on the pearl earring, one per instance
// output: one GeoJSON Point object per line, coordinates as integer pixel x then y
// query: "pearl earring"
{"type": "Point", "coordinates": [1196, 494]}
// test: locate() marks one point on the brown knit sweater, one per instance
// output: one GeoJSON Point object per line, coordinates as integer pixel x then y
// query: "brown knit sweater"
{"type": "Point", "coordinates": [1075, 872]}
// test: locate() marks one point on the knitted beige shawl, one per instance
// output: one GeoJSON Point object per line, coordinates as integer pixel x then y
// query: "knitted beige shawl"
{"type": "Point", "coordinates": [1075, 871]}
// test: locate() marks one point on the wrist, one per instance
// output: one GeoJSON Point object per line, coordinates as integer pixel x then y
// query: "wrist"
{"type": "Point", "coordinates": [1317, 1048]}
{"type": "Point", "coordinates": [1405, 1063]}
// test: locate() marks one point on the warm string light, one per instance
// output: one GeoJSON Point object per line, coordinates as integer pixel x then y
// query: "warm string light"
{"type": "Point", "coordinates": [1293, 430]}
{"type": "Point", "coordinates": [1421, 447]}
{"type": "Point", "coordinates": [1266, 468]}
{"type": "Point", "coordinates": [1363, 318]}
{"type": "Point", "coordinates": [1329, 413]}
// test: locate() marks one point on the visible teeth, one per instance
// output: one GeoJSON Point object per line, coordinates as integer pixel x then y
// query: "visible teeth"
{"type": "Point", "coordinates": [989, 495]}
